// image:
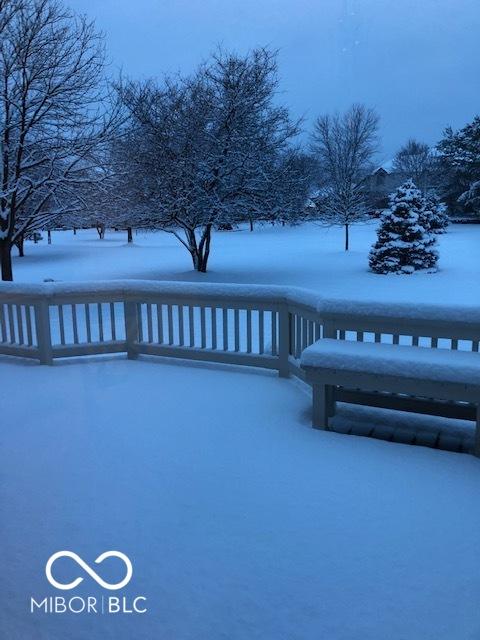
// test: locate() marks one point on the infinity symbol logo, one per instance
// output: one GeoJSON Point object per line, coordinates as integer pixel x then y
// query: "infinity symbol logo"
{"type": "Point", "coordinates": [87, 569]}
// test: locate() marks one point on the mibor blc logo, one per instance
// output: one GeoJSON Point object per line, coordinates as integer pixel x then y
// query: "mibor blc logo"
{"type": "Point", "coordinates": [89, 604]}
{"type": "Point", "coordinates": [87, 569]}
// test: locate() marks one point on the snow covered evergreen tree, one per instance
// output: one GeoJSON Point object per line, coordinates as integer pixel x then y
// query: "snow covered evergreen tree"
{"type": "Point", "coordinates": [436, 213]}
{"type": "Point", "coordinates": [460, 164]}
{"type": "Point", "coordinates": [405, 243]}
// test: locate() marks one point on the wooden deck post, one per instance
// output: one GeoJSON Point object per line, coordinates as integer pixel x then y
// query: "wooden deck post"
{"type": "Point", "coordinates": [320, 407]}
{"type": "Point", "coordinates": [44, 337]}
{"type": "Point", "coordinates": [330, 399]}
{"type": "Point", "coordinates": [283, 342]}
{"type": "Point", "coordinates": [329, 330]}
{"type": "Point", "coordinates": [476, 448]}
{"type": "Point", "coordinates": [131, 329]}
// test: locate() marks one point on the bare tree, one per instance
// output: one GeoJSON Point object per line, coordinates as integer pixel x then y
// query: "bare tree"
{"type": "Point", "coordinates": [415, 160]}
{"type": "Point", "coordinates": [204, 150]}
{"type": "Point", "coordinates": [8, 8]}
{"type": "Point", "coordinates": [283, 186]}
{"type": "Point", "coordinates": [344, 145]}
{"type": "Point", "coordinates": [54, 120]}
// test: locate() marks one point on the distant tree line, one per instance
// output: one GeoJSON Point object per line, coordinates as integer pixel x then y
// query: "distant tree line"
{"type": "Point", "coordinates": [184, 154]}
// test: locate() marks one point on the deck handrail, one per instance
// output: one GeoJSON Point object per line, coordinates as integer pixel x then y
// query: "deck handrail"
{"type": "Point", "coordinates": [257, 325]}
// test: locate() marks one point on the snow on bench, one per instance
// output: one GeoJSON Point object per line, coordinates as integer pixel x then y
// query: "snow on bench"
{"type": "Point", "coordinates": [438, 374]}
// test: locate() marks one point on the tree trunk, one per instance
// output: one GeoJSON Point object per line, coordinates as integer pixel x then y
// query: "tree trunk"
{"type": "Point", "coordinates": [101, 231]}
{"type": "Point", "coordinates": [201, 252]}
{"type": "Point", "coordinates": [49, 236]}
{"type": "Point", "coordinates": [74, 231]}
{"type": "Point", "coordinates": [206, 255]}
{"type": "Point", "coordinates": [251, 224]}
{"type": "Point", "coordinates": [19, 242]}
{"type": "Point", "coordinates": [204, 248]}
{"type": "Point", "coordinates": [6, 259]}
{"type": "Point", "coordinates": [129, 235]}
{"type": "Point", "coordinates": [347, 238]}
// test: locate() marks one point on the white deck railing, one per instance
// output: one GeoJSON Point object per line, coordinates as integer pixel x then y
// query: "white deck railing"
{"type": "Point", "coordinates": [263, 326]}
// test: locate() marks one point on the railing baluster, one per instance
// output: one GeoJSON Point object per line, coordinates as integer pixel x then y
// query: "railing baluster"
{"type": "Point", "coordinates": [20, 324]}
{"type": "Point", "coordinates": [11, 323]}
{"type": "Point", "coordinates": [87, 323]}
{"type": "Point", "coordinates": [149, 323]}
{"type": "Point", "coordinates": [28, 320]}
{"type": "Point", "coordinates": [75, 323]}
{"type": "Point", "coordinates": [3, 323]}
{"type": "Point", "coordinates": [170, 323]}
{"type": "Point", "coordinates": [100, 322]}
{"type": "Point", "coordinates": [191, 325]}
{"type": "Point", "coordinates": [203, 328]}
{"type": "Point", "coordinates": [213, 315]}
{"type": "Point", "coordinates": [236, 323]}
{"type": "Point", "coordinates": [160, 323]}
{"type": "Point", "coordinates": [249, 331]}
{"type": "Point", "coordinates": [225, 328]}
{"type": "Point", "coordinates": [113, 328]}
{"type": "Point", "coordinates": [261, 332]}
{"type": "Point", "coordinates": [311, 339]}
{"type": "Point", "coordinates": [291, 334]}
{"type": "Point", "coordinates": [61, 320]}
{"type": "Point", "coordinates": [138, 307]}
{"type": "Point", "coordinates": [181, 330]}
{"type": "Point", "coordinates": [274, 349]}
{"type": "Point", "coordinates": [304, 333]}
{"type": "Point", "coordinates": [298, 336]}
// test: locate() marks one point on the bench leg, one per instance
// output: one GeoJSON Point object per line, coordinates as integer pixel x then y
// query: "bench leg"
{"type": "Point", "coordinates": [476, 447]}
{"type": "Point", "coordinates": [330, 391]}
{"type": "Point", "coordinates": [320, 406]}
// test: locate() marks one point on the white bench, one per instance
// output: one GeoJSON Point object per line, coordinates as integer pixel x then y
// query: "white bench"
{"type": "Point", "coordinates": [441, 374]}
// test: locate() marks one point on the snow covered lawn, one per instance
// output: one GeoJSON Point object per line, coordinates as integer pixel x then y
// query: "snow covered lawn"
{"type": "Point", "coordinates": [242, 523]}
{"type": "Point", "coordinates": [308, 256]}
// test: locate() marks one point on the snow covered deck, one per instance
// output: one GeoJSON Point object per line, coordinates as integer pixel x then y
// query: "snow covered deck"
{"type": "Point", "coordinates": [240, 520]}
{"type": "Point", "coordinates": [260, 326]}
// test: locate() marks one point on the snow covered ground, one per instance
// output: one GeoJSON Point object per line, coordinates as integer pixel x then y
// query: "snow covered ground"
{"type": "Point", "coordinates": [308, 256]}
{"type": "Point", "coordinates": [241, 521]}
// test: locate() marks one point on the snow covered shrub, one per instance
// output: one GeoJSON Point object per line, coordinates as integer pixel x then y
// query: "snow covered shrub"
{"type": "Point", "coordinates": [436, 213]}
{"type": "Point", "coordinates": [405, 242]}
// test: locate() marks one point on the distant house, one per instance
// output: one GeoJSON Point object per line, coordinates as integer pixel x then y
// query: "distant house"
{"type": "Point", "coordinates": [385, 179]}
{"type": "Point", "coordinates": [380, 183]}
{"type": "Point", "coordinates": [377, 186]}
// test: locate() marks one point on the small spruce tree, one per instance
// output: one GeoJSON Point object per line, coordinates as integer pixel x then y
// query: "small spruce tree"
{"type": "Point", "coordinates": [405, 242]}
{"type": "Point", "coordinates": [436, 213]}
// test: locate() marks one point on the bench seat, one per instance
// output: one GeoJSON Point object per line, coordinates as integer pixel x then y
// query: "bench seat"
{"type": "Point", "coordinates": [440, 374]}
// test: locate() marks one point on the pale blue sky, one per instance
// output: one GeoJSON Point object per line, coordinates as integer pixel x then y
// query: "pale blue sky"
{"type": "Point", "coordinates": [416, 61]}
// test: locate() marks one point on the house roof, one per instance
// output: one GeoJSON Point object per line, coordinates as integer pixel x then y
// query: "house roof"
{"type": "Point", "coordinates": [386, 166]}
